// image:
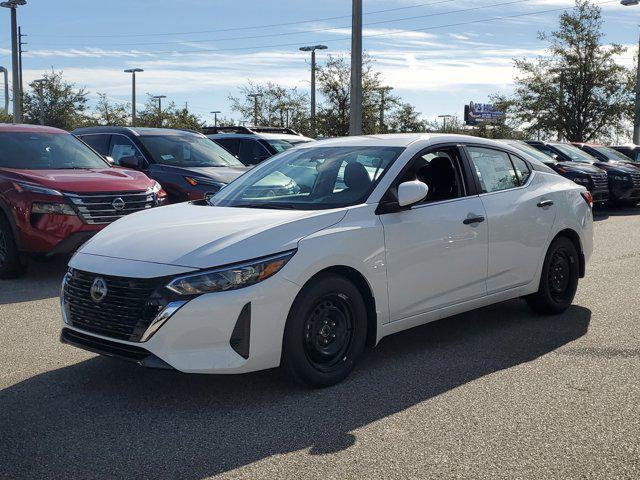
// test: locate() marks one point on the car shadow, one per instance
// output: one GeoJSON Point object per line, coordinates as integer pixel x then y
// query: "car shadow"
{"type": "Point", "coordinates": [101, 418]}
{"type": "Point", "coordinates": [41, 280]}
{"type": "Point", "coordinates": [605, 213]}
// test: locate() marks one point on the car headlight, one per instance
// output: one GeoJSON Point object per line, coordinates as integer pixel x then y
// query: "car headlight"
{"type": "Point", "coordinates": [620, 178]}
{"type": "Point", "coordinates": [581, 180]}
{"type": "Point", "coordinates": [53, 209]}
{"type": "Point", "coordinates": [30, 187]}
{"type": "Point", "coordinates": [156, 187]}
{"type": "Point", "coordinates": [193, 181]}
{"type": "Point", "coordinates": [230, 278]}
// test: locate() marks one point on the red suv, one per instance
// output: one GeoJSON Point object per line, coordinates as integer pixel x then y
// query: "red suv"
{"type": "Point", "coordinates": [56, 192]}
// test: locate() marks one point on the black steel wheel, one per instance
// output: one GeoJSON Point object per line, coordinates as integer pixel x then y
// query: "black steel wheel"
{"type": "Point", "coordinates": [559, 279]}
{"type": "Point", "coordinates": [325, 333]}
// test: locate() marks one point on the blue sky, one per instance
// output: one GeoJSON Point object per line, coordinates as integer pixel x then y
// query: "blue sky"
{"type": "Point", "coordinates": [199, 51]}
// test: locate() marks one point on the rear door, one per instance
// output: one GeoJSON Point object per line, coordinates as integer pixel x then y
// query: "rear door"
{"type": "Point", "coordinates": [520, 214]}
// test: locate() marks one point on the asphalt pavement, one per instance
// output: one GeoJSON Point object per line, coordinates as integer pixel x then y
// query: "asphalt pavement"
{"type": "Point", "coordinates": [495, 393]}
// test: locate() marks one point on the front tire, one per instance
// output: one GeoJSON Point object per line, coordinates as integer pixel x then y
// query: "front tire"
{"type": "Point", "coordinates": [559, 279]}
{"type": "Point", "coordinates": [11, 265]}
{"type": "Point", "coordinates": [326, 332]}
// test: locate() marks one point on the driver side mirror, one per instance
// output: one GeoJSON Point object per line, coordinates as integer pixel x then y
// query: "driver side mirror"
{"type": "Point", "coordinates": [410, 193]}
{"type": "Point", "coordinates": [134, 162]}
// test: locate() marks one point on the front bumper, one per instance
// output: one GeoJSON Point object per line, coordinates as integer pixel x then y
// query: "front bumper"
{"type": "Point", "coordinates": [201, 336]}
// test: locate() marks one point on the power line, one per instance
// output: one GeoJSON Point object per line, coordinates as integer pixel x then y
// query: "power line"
{"type": "Point", "coordinates": [325, 29]}
{"type": "Point", "coordinates": [247, 28]}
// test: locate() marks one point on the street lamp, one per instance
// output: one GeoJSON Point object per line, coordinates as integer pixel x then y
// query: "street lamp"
{"type": "Point", "coordinates": [312, 49]}
{"type": "Point", "coordinates": [159, 98]}
{"type": "Point", "coordinates": [255, 97]}
{"type": "Point", "coordinates": [636, 119]}
{"type": "Point", "coordinates": [444, 121]}
{"type": "Point", "coordinates": [215, 117]}
{"type": "Point", "coordinates": [17, 94]}
{"type": "Point", "coordinates": [39, 83]}
{"type": "Point", "coordinates": [133, 72]}
{"type": "Point", "coordinates": [383, 92]}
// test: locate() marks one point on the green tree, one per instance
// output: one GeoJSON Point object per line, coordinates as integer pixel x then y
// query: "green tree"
{"type": "Point", "coordinates": [406, 119]}
{"type": "Point", "coordinates": [170, 117]}
{"type": "Point", "coordinates": [63, 105]}
{"type": "Point", "coordinates": [5, 117]}
{"type": "Point", "coordinates": [107, 113]}
{"type": "Point", "coordinates": [576, 91]}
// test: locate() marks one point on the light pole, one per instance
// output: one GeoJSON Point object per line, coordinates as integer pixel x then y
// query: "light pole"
{"type": "Point", "coordinates": [17, 95]}
{"type": "Point", "coordinates": [215, 117]}
{"type": "Point", "coordinates": [159, 98]}
{"type": "Point", "coordinates": [636, 119]}
{"type": "Point", "coordinates": [255, 97]}
{"type": "Point", "coordinates": [383, 91]}
{"type": "Point", "coordinates": [133, 72]}
{"type": "Point", "coordinates": [6, 89]}
{"type": "Point", "coordinates": [39, 83]}
{"type": "Point", "coordinates": [355, 110]}
{"type": "Point", "coordinates": [444, 121]}
{"type": "Point", "coordinates": [312, 49]}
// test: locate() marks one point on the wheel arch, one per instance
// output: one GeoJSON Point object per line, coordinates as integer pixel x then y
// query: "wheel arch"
{"type": "Point", "coordinates": [361, 283]}
{"type": "Point", "coordinates": [575, 239]}
{"type": "Point", "coordinates": [5, 212]}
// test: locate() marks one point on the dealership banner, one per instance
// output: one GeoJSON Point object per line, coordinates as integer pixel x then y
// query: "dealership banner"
{"type": "Point", "coordinates": [475, 113]}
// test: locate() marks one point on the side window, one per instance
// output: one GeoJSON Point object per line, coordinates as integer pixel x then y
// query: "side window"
{"type": "Point", "coordinates": [230, 144]}
{"type": "Point", "coordinates": [251, 152]}
{"type": "Point", "coordinates": [494, 169]}
{"type": "Point", "coordinates": [121, 146]}
{"type": "Point", "coordinates": [99, 142]}
{"type": "Point", "coordinates": [522, 169]}
{"type": "Point", "coordinates": [440, 170]}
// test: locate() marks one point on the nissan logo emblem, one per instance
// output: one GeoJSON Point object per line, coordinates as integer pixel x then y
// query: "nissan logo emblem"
{"type": "Point", "coordinates": [118, 204]}
{"type": "Point", "coordinates": [98, 290]}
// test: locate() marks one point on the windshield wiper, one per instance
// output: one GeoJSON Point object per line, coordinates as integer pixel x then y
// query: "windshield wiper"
{"type": "Point", "coordinates": [278, 206]}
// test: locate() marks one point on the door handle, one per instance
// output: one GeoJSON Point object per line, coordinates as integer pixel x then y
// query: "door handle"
{"type": "Point", "coordinates": [471, 220]}
{"type": "Point", "coordinates": [545, 203]}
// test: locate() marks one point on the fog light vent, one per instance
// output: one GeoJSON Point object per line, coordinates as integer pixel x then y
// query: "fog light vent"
{"type": "Point", "coordinates": [241, 334]}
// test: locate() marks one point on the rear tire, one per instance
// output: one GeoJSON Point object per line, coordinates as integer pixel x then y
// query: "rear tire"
{"type": "Point", "coordinates": [326, 332]}
{"type": "Point", "coordinates": [11, 265]}
{"type": "Point", "coordinates": [559, 278]}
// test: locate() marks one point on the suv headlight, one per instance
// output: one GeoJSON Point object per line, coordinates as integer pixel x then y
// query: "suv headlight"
{"type": "Point", "coordinates": [30, 187]}
{"type": "Point", "coordinates": [581, 180]}
{"type": "Point", "coordinates": [156, 187]}
{"type": "Point", "coordinates": [52, 208]}
{"type": "Point", "coordinates": [620, 178]}
{"type": "Point", "coordinates": [230, 278]}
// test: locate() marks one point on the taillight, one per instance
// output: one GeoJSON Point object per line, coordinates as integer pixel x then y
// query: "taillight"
{"type": "Point", "coordinates": [587, 198]}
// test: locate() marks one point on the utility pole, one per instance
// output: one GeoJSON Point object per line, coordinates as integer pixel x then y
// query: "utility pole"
{"type": "Point", "coordinates": [20, 52]}
{"type": "Point", "coordinates": [215, 117]}
{"type": "Point", "coordinates": [355, 110]}
{"type": "Point", "coordinates": [15, 66]}
{"type": "Point", "coordinates": [383, 91]}
{"type": "Point", "coordinates": [39, 83]}
{"type": "Point", "coordinates": [6, 89]}
{"type": "Point", "coordinates": [255, 97]}
{"type": "Point", "coordinates": [159, 98]}
{"type": "Point", "coordinates": [133, 72]}
{"type": "Point", "coordinates": [312, 49]}
{"type": "Point", "coordinates": [636, 119]}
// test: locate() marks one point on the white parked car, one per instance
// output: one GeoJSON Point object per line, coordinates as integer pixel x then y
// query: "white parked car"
{"type": "Point", "coordinates": [382, 233]}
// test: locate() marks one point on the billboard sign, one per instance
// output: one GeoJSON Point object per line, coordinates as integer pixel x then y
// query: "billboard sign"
{"type": "Point", "coordinates": [476, 113]}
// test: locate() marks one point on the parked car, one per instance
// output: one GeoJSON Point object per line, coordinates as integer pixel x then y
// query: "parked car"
{"type": "Point", "coordinates": [390, 232]}
{"type": "Point", "coordinates": [606, 154]}
{"type": "Point", "coordinates": [55, 193]}
{"type": "Point", "coordinates": [593, 178]}
{"type": "Point", "coordinates": [255, 144]}
{"type": "Point", "coordinates": [185, 163]}
{"type": "Point", "coordinates": [632, 151]}
{"type": "Point", "coordinates": [624, 181]}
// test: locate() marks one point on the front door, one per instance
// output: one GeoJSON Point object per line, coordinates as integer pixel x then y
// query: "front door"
{"type": "Point", "coordinates": [436, 250]}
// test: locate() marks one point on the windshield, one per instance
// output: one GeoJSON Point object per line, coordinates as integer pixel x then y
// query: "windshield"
{"type": "Point", "coordinates": [46, 151]}
{"type": "Point", "coordinates": [279, 145]}
{"type": "Point", "coordinates": [613, 154]}
{"type": "Point", "coordinates": [533, 152]}
{"type": "Point", "coordinates": [574, 153]}
{"type": "Point", "coordinates": [188, 151]}
{"type": "Point", "coordinates": [310, 179]}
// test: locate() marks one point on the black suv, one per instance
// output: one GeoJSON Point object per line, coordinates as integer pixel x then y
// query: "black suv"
{"type": "Point", "coordinates": [252, 145]}
{"type": "Point", "coordinates": [187, 164]}
{"type": "Point", "coordinates": [606, 154]}
{"type": "Point", "coordinates": [632, 151]}
{"type": "Point", "coordinates": [624, 181]}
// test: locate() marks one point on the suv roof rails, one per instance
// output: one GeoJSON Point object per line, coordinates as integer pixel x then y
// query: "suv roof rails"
{"type": "Point", "coordinates": [249, 130]}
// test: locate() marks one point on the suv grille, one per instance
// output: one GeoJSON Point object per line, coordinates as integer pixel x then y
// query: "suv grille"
{"type": "Point", "coordinates": [102, 208]}
{"type": "Point", "coordinates": [636, 179]}
{"type": "Point", "coordinates": [124, 313]}
{"type": "Point", "coordinates": [600, 189]}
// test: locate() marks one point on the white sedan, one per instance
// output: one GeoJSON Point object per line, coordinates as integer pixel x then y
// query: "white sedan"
{"type": "Point", "coordinates": [381, 234]}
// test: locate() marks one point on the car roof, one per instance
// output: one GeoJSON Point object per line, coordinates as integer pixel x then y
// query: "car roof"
{"type": "Point", "coordinates": [23, 127]}
{"type": "Point", "coordinates": [258, 135]}
{"type": "Point", "coordinates": [401, 140]}
{"type": "Point", "coordinates": [135, 131]}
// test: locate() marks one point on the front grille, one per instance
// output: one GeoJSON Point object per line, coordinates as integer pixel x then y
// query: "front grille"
{"type": "Point", "coordinates": [125, 312]}
{"type": "Point", "coordinates": [102, 208]}
{"type": "Point", "coordinates": [600, 181]}
{"type": "Point", "coordinates": [636, 180]}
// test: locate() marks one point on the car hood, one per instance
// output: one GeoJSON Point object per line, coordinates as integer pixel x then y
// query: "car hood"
{"type": "Point", "coordinates": [93, 180]}
{"type": "Point", "coordinates": [617, 167]}
{"type": "Point", "coordinates": [199, 236]}
{"type": "Point", "coordinates": [579, 167]}
{"type": "Point", "coordinates": [219, 174]}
